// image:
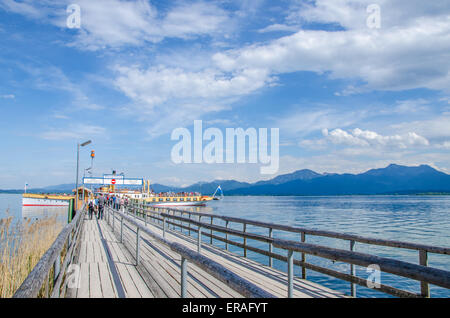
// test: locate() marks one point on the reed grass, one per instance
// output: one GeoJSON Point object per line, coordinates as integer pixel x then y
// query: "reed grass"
{"type": "Point", "coordinates": [22, 244]}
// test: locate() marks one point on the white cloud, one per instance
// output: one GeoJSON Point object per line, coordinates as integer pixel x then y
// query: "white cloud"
{"type": "Point", "coordinates": [279, 27]}
{"type": "Point", "coordinates": [77, 131]}
{"type": "Point", "coordinates": [301, 123]}
{"type": "Point", "coordinates": [432, 128]}
{"type": "Point", "coordinates": [409, 51]}
{"type": "Point", "coordinates": [365, 138]}
{"type": "Point", "coordinates": [8, 96]}
{"type": "Point", "coordinates": [388, 60]}
{"type": "Point", "coordinates": [156, 85]}
{"type": "Point", "coordinates": [119, 23]}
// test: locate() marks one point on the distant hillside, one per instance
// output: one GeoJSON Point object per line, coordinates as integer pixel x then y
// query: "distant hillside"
{"type": "Point", "coordinates": [394, 179]}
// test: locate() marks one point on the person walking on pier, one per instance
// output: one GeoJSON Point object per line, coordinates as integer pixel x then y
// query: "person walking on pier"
{"type": "Point", "coordinates": [101, 204]}
{"type": "Point", "coordinates": [91, 208]}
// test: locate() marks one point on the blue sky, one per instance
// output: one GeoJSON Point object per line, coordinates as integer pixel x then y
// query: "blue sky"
{"type": "Point", "coordinates": [345, 97]}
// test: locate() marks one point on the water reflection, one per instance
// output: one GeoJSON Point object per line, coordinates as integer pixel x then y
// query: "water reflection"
{"type": "Point", "coordinates": [38, 212]}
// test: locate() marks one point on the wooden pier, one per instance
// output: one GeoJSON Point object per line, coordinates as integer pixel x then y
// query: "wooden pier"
{"type": "Point", "coordinates": [108, 268]}
{"type": "Point", "coordinates": [145, 252]}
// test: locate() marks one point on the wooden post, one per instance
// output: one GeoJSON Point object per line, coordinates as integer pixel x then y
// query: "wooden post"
{"type": "Point", "coordinates": [290, 273]}
{"type": "Point", "coordinates": [57, 268]}
{"type": "Point", "coordinates": [424, 287]}
{"type": "Point", "coordinates": [303, 256]}
{"type": "Point", "coordinates": [183, 277]}
{"type": "Point", "coordinates": [352, 271]}
{"type": "Point", "coordinates": [270, 247]}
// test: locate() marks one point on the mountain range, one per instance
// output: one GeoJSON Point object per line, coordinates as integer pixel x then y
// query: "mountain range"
{"type": "Point", "coordinates": [394, 179]}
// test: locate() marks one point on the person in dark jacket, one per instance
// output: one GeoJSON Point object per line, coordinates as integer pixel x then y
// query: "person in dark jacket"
{"type": "Point", "coordinates": [101, 205]}
{"type": "Point", "coordinates": [91, 209]}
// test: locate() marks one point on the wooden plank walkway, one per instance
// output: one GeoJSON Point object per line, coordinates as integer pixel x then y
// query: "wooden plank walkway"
{"type": "Point", "coordinates": [108, 270]}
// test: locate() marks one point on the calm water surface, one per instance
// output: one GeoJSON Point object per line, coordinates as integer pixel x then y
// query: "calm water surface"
{"type": "Point", "coordinates": [421, 219]}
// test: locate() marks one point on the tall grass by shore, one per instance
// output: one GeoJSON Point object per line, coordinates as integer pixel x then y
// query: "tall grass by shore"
{"type": "Point", "coordinates": [22, 244]}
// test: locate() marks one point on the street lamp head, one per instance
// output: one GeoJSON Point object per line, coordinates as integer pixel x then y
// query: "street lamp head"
{"type": "Point", "coordinates": [86, 143]}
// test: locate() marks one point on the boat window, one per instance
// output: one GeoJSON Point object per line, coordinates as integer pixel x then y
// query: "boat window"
{"type": "Point", "coordinates": [181, 199]}
{"type": "Point", "coordinates": [189, 199]}
{"type": "Point", "coordinates": [195, 199]}
{"type": "Point", "coordinates": [154, 200]}
{"type": "Point", "coordinates": [167, 199]}
{"type": "Point", "coordinates": [161, 199]}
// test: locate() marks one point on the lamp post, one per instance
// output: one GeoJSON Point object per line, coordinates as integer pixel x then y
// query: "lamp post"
{"type": "Point", "coordinates": [84, 175]}
{"type": "Point", "coordinates": [78, 164]}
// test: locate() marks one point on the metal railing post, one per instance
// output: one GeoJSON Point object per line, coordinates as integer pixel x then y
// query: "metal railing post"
{"type": "Point", "coordinates": [121, 230]}
{"type": "Point", "coordinates": [270, 247]}
{"type": "Point", "coordinates": [138, 237]}
{"type": "Point", "coordinates": [184, 264]}
{"type": "Point", "coordinates": [424, 287]}
{"type": "Point", "coordinates": [199, 243]}
{"type": "Point", "coordinates": [189, 225]}
{"type": "Point", "coordinates": [290, 273]}
{"type": "Point", "coordinates": [211, 240]}
{"type": "Point", "coordinates": [113, 221]}
{"type": "Point", "coordinates": [352, 271]}
{"type": "Point", "coordinates": [164, 226]}
{"type": "Point", "coordinates": [303, 256]}
{"type": "Point", "coordinates": [226, 236]}
{"type": "Point", "coordinates": [245, 240]}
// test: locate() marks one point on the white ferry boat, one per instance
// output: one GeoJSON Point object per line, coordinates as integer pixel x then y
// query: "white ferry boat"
{"type": "Point", "coordinates": [31, 199]}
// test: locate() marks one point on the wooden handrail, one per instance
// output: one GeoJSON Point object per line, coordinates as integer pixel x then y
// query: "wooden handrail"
{"type": "Point", "coordinates": [331, 234]}
{"type": "Point", "coordinates": [422, 272]}
{"type": "Point", "coordinates": [35, 280]}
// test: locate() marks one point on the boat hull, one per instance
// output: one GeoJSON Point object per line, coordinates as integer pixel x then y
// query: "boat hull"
{"type": "Point", "coordinates": [172, 204]}
{"type": "Point", "coordinates": [44, 202]}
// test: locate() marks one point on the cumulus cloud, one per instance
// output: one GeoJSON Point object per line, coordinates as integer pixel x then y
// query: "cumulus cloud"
{"type": "Point", "coordinates": [119, 23]}
{"type": "Point", "coordinates": [156, 85]}
{"type": "Point", "coordinates": [396, 59]}
{"type": "Point", "coordinates": [359, 138]}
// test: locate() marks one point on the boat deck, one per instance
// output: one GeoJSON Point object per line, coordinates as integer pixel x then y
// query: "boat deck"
{"type": "Point", "coordinates": [108, 270]}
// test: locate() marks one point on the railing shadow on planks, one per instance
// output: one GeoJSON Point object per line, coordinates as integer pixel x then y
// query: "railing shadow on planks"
{"type": "Point", "coordinates": [164, 217]}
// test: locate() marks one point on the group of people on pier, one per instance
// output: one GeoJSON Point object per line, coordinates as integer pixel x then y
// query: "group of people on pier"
{"type": "Point", "coordinates": [97, 205]}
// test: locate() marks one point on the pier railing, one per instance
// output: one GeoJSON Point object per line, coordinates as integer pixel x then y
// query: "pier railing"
{"type": "Point", "coordinates": [48, 278]}
{"type": "Point", "coordinates": [237, 283]}
{"type": "Point", "coordinates": [192, 223]}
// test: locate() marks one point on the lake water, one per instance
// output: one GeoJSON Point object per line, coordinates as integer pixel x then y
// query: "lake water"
{"type": "Point", "coordinates": [420, 219]}
{"type": "Point", "coordinates": [11, 205]}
